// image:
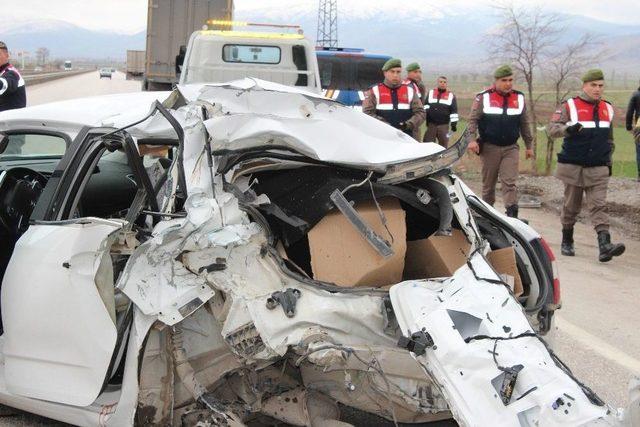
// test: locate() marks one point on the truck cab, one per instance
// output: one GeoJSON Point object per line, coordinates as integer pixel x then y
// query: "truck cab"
{"type": "Point", "coordinates": [218, 56]}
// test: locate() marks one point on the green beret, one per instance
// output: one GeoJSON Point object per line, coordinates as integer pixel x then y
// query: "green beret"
{"type": "Point", "coordinates": [414, 66]}
{"type": "Point", "coordinates": [593, 75]}
{"type": "Point", "coordinates": [503, 71]}
{"type": "Point", "coordinates": [392, 63]}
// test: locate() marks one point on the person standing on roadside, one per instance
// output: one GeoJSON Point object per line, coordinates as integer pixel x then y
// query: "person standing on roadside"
{"type": "Point", "coordinates": [499, 115]}
{"type": "Point", "coordinates": [414, 76]}
{"type": "Point", "coordinates": [12, 87]}
{"type": "Point", "coordinates": [442, 110]}
{"type": "Point", "coordinates": [393, 102]}
{"type": "Point", "coordinates": [633, 124]}
{"type": "Point", "coordinates": [584, 163]}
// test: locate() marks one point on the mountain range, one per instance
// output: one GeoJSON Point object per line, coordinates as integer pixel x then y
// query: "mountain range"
{"type": "Point", "coordinates": [446, 41]}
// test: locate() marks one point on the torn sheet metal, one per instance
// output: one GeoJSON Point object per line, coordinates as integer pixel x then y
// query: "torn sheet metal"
{"type": "Point", "coordinates": [155, 278]}
{"type": "Point", "coordinates": [507, 381]}
{"type": "Point", "coordinates": [319, 128]}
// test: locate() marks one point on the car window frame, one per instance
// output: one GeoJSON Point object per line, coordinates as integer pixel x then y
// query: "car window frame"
{"type": "Point", "coordinates": [46, 132]}
{"type": "Point", "coordinates": [72, 173]}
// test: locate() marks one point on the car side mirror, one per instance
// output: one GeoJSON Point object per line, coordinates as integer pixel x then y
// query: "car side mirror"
{"type": "Point", "coordinates": [4, 142]}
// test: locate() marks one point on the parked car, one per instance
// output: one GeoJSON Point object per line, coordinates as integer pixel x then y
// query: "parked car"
{"type": "Point", "coordinates": [174, 263]}
{"type": "Point", "coordinates": [105, 72]}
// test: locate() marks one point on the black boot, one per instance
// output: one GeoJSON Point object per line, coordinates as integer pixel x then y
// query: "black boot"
{"type": "Point", "coordinates": [567, 248]}
{"type": "Point", "coordinates": [607, 249]}
{"type": "Point", "coordinates": [512, 211]}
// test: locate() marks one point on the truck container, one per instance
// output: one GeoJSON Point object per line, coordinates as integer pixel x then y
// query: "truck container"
{"type": "Point", "coordinates": [135, 64]}
{"type": "Point", "coordinates": [170, 23]}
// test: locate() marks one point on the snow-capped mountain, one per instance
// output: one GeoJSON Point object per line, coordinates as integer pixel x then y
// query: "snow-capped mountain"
{"type": "Point", "coordinates": [65, 40]}
{"type": "Point", "coordinates": [443, 39]}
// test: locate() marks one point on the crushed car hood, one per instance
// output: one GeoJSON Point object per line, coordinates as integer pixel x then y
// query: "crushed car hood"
{"type": "Point", "coordinates": [253, 114]}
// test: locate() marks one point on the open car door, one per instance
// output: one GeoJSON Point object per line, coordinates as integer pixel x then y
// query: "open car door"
{"type": "Point", "coordinates": [59, 312]}
{"type": "Point", "coordinates": [58, 304]}
{"type": "Point", "coordinates": [62, 336]}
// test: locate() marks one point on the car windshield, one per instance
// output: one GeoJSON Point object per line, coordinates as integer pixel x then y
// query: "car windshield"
{"type": "Point", "coordinates": [19, 146]}
{"type": "Point", "coordinates": [350, 72]}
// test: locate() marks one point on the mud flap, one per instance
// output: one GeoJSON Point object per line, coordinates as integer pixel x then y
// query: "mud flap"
{"type": "Point", "coordinates": [473, 339]}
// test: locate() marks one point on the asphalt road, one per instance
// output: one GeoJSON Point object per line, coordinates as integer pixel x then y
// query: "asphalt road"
{"type": "Point", "coordinates": [597, 332]}
{"type": "Point", "coordinates": [597, 335]}
{"type": "Point", "coordinates": [83, 85]}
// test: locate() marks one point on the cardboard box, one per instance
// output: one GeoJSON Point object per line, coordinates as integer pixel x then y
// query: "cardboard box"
{"type": "Point", "coordinates": [504, 262]}
{"type": "Point", "coordinates": [341, 255]}
{"type": "Point", "coordinates": [437, 256]}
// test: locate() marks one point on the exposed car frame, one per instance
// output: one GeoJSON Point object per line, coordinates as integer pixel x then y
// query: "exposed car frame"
{"type": "Point", "coordinates": [210, 320]}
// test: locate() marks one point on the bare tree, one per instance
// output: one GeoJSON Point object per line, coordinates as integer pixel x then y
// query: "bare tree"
{"type": "Point", "coordinates": [563, 70]}
{"type": "Point", "coordinates": [525, 37]}
{"type": "Point", "coordinates": [42, 55]}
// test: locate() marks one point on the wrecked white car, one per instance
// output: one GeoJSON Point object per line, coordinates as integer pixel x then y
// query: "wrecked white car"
{"type": "Point", "coordinates": [250, 254]}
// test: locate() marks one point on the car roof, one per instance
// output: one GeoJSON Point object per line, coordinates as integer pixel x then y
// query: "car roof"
{"type": "Point", "coordinates": [72, 115]}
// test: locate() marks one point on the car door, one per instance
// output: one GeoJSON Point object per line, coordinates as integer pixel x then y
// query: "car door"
{"type": "Point", "coordinates": [58, 306]}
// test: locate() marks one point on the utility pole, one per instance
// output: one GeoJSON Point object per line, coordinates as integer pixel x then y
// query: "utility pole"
{"type": "Point", "coordinates": [327, 24]}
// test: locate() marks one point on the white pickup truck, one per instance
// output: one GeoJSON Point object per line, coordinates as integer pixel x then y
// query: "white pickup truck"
{"type": "Point", "coordinates": [222, 55]}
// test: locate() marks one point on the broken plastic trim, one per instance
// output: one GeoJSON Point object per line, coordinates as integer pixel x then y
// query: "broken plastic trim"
{"type": "Point", "coordinates": [426, 166]}
{"type": "Point", "coordinates": [377, 242]}
{"type": "Point", "coordinates": [287, 300]}
{"type": "Point", "coordinates": [418, 343]}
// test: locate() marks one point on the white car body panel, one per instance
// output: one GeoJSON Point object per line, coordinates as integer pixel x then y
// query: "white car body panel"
{"type": "Point", "coordinates": [463, 306]}
{"type": "Point", "coordinates": [50, 311]}
{"type": "Point", "coordinates": [337, 334]}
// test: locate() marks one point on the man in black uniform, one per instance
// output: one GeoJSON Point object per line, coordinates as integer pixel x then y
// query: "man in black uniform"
{"type": "Point", "coordinates": [633, 123]}
{"type": "Point", "coordinates": [12, 91]}
{"type": "Point", "coordinates": [442, 110]}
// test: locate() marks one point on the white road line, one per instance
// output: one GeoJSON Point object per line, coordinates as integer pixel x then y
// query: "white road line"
{"type": "Point", "coordinates": [597, 345]}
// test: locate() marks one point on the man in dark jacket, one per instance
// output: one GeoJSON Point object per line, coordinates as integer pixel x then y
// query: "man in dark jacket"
{"type": "Point", "coordinates": [442, 110]}
{"type": "Point", "coordinates": [633, 114]}
{"type": "Point", "coordinates": [12, 89]}
{"type": "Point", "coordinates": [585, 123]}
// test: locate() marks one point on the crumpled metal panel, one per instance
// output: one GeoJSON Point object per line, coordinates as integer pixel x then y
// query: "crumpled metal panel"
{"type": "Point", "coordinates": [456, 314]}
{"type": "Point", "coordinates": [255, 113]}
{"type": "Point", "coordinates": [155, 278]}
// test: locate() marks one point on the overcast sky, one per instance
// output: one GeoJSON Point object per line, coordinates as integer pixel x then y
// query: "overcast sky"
{"type": "Point", "coordinates": [129, 16]}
